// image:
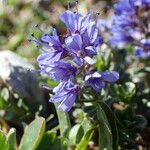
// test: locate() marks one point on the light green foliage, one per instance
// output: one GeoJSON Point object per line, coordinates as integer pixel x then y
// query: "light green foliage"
{"type": "Point", "coordinates": [4, 96]}
{"type": "Point", "coordinates": [64, 122]}
{"type": "Point", "coordinates": [8, 142]}
{"type": "Point", "coordinates": [78, 131]}
{"type": "Point", "coordinates": [3, 141]}
{"type": "Point", "coordinates": [85, 139]}
{"type": "Point", "coordinates": [33, 135]}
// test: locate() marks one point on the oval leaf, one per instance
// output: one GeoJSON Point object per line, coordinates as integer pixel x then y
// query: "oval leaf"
{"type": "Point", "coordinates": [85, 139]}
{"type": "Point", "coordinates": [33, 134]}
{"type": "Point", "coordinates": [105, 135]}
{"type": "Point", "coordinates": [112, 122]}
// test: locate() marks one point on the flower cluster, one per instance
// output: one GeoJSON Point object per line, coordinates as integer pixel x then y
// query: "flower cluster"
{"type": "Point", "coordinates": [71, 57]}
{"type": "Point", "coordinates": [132, 26]}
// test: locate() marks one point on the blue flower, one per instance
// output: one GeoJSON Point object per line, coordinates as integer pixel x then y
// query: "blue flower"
{"type": "Point", "coordinates": [98, 80]}
{"type": "Point", "coordinates": [49, 57]}
{"type": "Point", "coordinates": [67, 60]}
{"type": "Point", "coordinates": [59, 70]}
{"type": "Point", "coordinates": [124, 6]}
{"type": "Point", "coordinates": [91, 35]}
{"type": "Point", "coordinates": [79, 50]}
{"type": "Point", "coordinates": [131, 25]}
{"type": "Point", "coordinates": [120, 38]}
{"type": "Point", "coordinates": [55, 51]}
{"type": "Point", "coordinates": [52, 40]}
{"type": "Point", "coordinates": [144, 50]}
{"type": "Point", "coordinates": [66, 94]}
{"type": "Point", "coordinates": [75, 22]}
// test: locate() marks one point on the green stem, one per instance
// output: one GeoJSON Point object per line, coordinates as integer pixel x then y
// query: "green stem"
{"type": "Point", "coordinates": [64, 125]}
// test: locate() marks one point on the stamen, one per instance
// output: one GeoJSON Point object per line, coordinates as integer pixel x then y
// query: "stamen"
{"type": "Point", "coordinates": [34, 38]}
{"type": "Point", "coordinates": [68, 5]}
{"type": "Point", "coordinates": [77, 2]}
{"type": "Point", "coordinates": [34, 70]}
{"type": "Point", "coordinates": [32, 35]}
{"type": "Point", "coordinates": [29, 40]}
{"type": "Point", "coordinates": [45, 86]}
{"type": "Point", "coordinates": [97, 15]}
{"type": "Point", "coordinates": [38, 27]}
{"type": "Point", "coordinates": [41, 49]}
{"type": "Point", "coordinates": [39, 42]}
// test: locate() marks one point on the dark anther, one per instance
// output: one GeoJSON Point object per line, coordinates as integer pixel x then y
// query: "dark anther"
{"type": "Point", "coordinates": [32, 35]}
{"type": "Point", "coordinates": [97, 13]}
{"type": "Point", "coordinates": [77, 31]}
{"type": "Point", "coordinates": [29, 40]}
{"type": "Point", "coordinates": [37, 26]}
{"type": "Point", "coordinates": [77, 5]}
{"type": "Point", "coordinates": [68, 4]}
{"type": "Point", "coordinates": [28, 69]}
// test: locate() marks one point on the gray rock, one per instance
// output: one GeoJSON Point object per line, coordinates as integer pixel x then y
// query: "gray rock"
{"type": "Point", "coordinates": [15, 74]}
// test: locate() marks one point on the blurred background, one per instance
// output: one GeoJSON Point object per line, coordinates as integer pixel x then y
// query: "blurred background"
{"type": "Point", "coordinates": [21, 94]}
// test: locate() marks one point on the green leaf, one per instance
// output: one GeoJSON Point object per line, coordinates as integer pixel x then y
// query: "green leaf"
{"type": "Point", "coordinates": [4, 96]}
{"type": "Point", "coordinates": [78, 131]}
{"type": "Point", "coordinates": [103, 61]}
{"type": "Point", "coordinates": [64, 122]}
{"type": "Point", "coordinates": [85, 139]}
{"type": "Point", "coordinates": [105, 135]}
{"type": "Point", "coordinates": [125, 92]}
{"type": "Point", "coordinates": [50, 142]}
{"type": "Point", "coordinates": [130, 87]}
{"type": "Point", "coordinates": [11, 139]}
{"type": "Point", "coordinates": [86, 124]}
{"type": "Point", "coordinates": [33, 134]}
{"type": "Point", "coordinates": [64, 125]}
{"type": "Point", "coordinates": [3, 141]}
{"type": "Point", "coordinates": [112, 122]}
{"type": "Point", "coordinates": [75, 134]}
{"type": "Point", "coordinates": [3, 103]}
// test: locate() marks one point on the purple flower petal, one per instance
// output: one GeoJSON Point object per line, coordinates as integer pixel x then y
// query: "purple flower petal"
{"type": "Point", "coordinates": [59, 70]}
{"type": "Point", "coordinates": [90, 50]}
{"type": "Point", "coordinates": [66, 93]}
{"type": "Point", "coordinates": [52, 40]}
{"type": "Point", "coordinates": [112, 76]}
{"type": "Point", "coordinates": [68, 102]}
{"type": "Point", "coordinates": [78, 61]}
{"type": "Point", "coordinates": [69, 20]}
{"type": "Point", "coordinates": [49, 57]}
{"type": "Point", "coordinates": [74, 42]}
